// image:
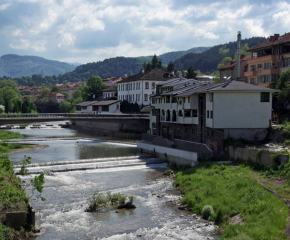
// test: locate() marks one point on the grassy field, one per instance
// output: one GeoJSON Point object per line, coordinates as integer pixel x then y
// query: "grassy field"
{"type": "Point", "coordinates": [8, 147]}
{"type": "Point", "coordinates": [232, 190]}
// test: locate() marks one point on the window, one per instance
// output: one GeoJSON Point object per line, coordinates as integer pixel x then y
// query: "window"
{"type": "Point", "coordinates": [188, 130]}
{"type": "Point", "coordinates": [145, 97]}
{"type": "Point", "coordinates": [174, 100]}
{"type": "Point", "coordinates": [194, 113]}
{"type": "Point", "coordinates": [105, 108]}
{"type": "Point", "coordinates": [195, 131]}
{"type": "Point", "coordinates": [260, 66]}
{"type": "Point", "coordinates": [253, 68]}
{"type": "Point", "coordinates": [153, 112]}
{"type": "Point", "coordinates": [267, 65]}
{"type": "Point", "coordinates": [211, 114]}
{"type": "Point", "coordinates": [117, 106]}
{"type": "Point", "coordinates": [167, 99]}
{"type": "Point", "coordinates": [153, 85]}
{"type": "Point", "coordinates": [264, 78]}
{"type": "Point", "coordinates": [265, 97]}
{"type": "Point", "coordinates": [146, 85]}
{"type": "Point", "coordinates": [207, 114]}
{"type": "Point", "coordinates": [180, 113]}
{"type": "Point", "coordinates": [211, 97]}
{"type": "Point", "coordinates": [186, 113]}
{"type": "Point", "coordinates": [253, 80]}
{"type": "Point", "coordinates": [133, 86]}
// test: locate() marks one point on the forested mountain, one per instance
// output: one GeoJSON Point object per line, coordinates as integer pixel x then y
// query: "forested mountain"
{"type": "Point", "coordinates": [207, 61]}
{"type": "Point", "coordinates": [17, 66]}
{"type": "Point", "coordinates": [171, 56]}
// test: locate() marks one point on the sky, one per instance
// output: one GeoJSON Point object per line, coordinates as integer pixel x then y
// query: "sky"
{"type": "Point", "coordinates": [92, 30]}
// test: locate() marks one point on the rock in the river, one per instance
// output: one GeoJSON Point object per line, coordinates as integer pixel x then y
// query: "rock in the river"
{"type": "Point", "coordinates": [182, 207]}
{"type": "Point", "coordinates": [127, 205]}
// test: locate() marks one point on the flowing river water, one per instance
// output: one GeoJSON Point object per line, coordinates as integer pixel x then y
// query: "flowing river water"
{"type": "Point", "coordinates": [109, 166]}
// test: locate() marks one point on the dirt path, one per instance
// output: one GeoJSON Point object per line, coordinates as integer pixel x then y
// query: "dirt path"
{"type": "Point", "coordinates": [278, 184]}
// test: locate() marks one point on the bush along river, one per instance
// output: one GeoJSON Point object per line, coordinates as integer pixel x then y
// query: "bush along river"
{"type": "Point", "coordinates": [78, 165]}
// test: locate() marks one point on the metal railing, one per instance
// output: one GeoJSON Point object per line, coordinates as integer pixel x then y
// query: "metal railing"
{"type": "Point", "coordinates": [71, 116]}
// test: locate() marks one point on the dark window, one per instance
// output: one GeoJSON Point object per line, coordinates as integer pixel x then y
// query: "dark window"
{"type": "Point", "coordinates": [188, 130]}
{"type": "Point", "coordinates": [207, 114]}
{"type": "Point", "coordinates": [211, 114]}
{"type": "Point", "coordinates": [167, 99]}
{"type": "Point", "coordinates": [180, 113]}
{"type": "Point", "coordinates": [265, 97]}
{"type": "Point", "coordinates": [105, 108]}
{"type": "Point", "coordinates": [153, 112]}
{"type": "Point", "coordinates": [186, 113]}
{"type": "Point", "coordinates": [194, 113]}
{"type": "Point", "coordinates": [174, 100]}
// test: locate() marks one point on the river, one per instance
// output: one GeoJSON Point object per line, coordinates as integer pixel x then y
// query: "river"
{"type": "Point", "coordinates": [63, 216]}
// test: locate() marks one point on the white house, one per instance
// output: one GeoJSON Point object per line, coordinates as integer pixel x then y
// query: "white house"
{"type": "Point", "coordinates": [110, 92]}
{"type": "Point", "coordinates": [138, 88]}
{"type": "Point", "coordinates": [99, 107]}
{"type": "Point", "coordinates": [204, 113]}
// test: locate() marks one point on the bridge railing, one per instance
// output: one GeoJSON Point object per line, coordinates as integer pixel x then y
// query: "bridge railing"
{"type": "Point", "coordinates": [68, 116]}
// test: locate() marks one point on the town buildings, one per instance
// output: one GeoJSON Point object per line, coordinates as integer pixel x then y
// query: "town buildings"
{"type": "Point", "coordinates": [208, 114]}
{"type": "Point", "coordinates": [229, 71]}
{"type": "Point", "coordinates": [99, 107]}
{"type": "Point", "coordinates": [269, 60]}
{"type": "Point", "coordinates": [138, 88]}
{"type": "Point", "coordinates": [110, 92]}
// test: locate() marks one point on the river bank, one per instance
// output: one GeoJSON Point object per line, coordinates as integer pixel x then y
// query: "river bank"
{"type": "Point", "coordinates": [243, 208]}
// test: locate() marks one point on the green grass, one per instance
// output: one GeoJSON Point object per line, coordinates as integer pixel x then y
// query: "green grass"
{"type": "Point", "coordinates": [5, 135]}
{"type": "Point", "coordinates": [12, 195]}
{"type": "Point", "coordinates": [231, 191]}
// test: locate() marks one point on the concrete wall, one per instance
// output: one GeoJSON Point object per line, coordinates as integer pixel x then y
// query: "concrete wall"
{"type": "Point", "coordinates": [247, 134]}
{"type": "Point", "coordinates": [179, 157]}
{"type": "Point", "coordinates": [248, 154]}
{"type": "Point", "coordinates": [241, 110]}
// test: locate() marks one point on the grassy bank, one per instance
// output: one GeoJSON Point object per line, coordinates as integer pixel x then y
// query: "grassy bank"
{"type": "Point", "coordinates": [232, 190]}
{"type": "Point", "coordinates": [12, 197]}
{"type": "Point", "coordinates": [6, 135]}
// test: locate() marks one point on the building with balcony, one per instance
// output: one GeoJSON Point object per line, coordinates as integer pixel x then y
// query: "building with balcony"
{"type": "Point", "coordinates": [208, 114]}
{"type": "Point", "coordinates": [138, 88]}
{"type": "Point", "coordinates": [269, 60]}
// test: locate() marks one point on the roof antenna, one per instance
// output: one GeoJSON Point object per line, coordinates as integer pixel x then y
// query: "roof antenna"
{"type": "Point", "coordinates": [239, 56]}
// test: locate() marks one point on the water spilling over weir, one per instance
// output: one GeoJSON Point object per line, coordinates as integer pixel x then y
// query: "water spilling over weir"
{"type": "Point", "coordinates": [77, 165]}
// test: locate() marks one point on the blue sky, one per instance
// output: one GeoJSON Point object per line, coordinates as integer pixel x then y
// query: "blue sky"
{"type": "Point", "coordinates": [92, 30]}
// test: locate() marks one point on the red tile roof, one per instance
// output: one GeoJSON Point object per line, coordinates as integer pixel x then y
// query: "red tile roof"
{"type": "Point", "coordinates": [234, 63]}
{"type": "Point", "coordinates": [274, 40]}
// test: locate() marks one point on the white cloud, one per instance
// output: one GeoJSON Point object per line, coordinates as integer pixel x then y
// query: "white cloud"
{"type": "Point", "coordinates": [4, 6]}
{"type": "Point", "coordinates": [68, 29]}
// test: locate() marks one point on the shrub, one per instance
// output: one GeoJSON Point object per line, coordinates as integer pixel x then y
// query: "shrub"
{"type": "Point", "coordinates": [207, 212]}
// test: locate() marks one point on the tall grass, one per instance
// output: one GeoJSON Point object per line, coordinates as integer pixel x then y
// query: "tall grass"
{"type": "Point", "coordinates": [231, 191]}
{"type": "Point", "coordinates": [5, 135]}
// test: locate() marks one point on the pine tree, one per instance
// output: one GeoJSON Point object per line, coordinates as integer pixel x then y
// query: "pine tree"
{"type": "Point", "coordinates": [191, 74]}
{"type": "Point", "coordinates": [170, 67]}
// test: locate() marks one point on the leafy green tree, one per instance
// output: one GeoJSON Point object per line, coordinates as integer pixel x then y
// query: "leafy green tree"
{"type": "Point", "coordinates": [225, 61]}
{"type": "Point", "coordinates": [55, 89]}
{"type": "Point", "coordinates": [65, 107]}
{"type": "Point", "coordinates": [11, 98]}
{"type": "Point", "coordinates": [8, 83]}
{"type": "Point", "coordinates": [44, 91]}
{"type": "Point", "coordinates": [170, 67]}
{"type": "Point", "coordinates": [94, 88]}
{"type": "Point", "coordinates": [191, 74]}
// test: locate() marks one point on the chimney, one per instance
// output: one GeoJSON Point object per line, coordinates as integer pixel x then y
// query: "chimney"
{"type": "Point", "coordinates": [239, 55]}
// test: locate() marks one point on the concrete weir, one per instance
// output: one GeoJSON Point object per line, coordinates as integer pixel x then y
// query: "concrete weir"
{"type": "Point", "coordinates": [89, 164]}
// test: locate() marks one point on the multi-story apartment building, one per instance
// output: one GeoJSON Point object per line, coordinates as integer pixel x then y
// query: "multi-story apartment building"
{"type": "Point", "coordinates": [204, 113]}
{"type": "Point", "coordinates": [269, 60]}
{"type": "Point", "coordinates": [138, 88]}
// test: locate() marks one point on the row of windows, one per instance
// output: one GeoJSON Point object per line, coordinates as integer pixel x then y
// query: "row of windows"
{"type": "Point", "coordinates": [186, 113]}
{"type": "Point", "coordinates": [209, 114]}
{"type": "Point", "coordinates": [266, 65]}
{"type": "Point", "coordinates": [135, 86]}
{"type": "Point", "coordinates": [107, 95]}
{"type": "Point", "coordinates": [168, 99]}
{"type": "Point", "coordinates": [133, 97]}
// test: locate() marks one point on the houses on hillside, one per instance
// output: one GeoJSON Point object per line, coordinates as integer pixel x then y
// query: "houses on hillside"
{"type": "Point", "coordinates": [204, 113]}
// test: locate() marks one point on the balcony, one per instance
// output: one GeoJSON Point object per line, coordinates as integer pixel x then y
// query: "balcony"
{"type": "Point", "coordinates": [262, 59]}
{"type": "Point", "coordinates": [262, 72]}
{"type": "Point", "coordinates": [250, 73]}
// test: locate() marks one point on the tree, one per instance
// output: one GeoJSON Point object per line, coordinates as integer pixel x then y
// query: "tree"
{"type": "Point", "coordinates": [154, 62]}
{"type": "Point", "coordinates": [191, 74]}
{"type": "Point", "coordinates": [94, 88]}
{"type": "Point", "coordinates": [11, 98]}
{"type": "Point", "coordinates": [8, 83]}
{"type": "Point", "coordinates": [65, 106]}
{"type": "Point", "coordinates": [170, 67]}
{"type": "Point", "coordinates": [55, 89]}
{"type": "Point", "coordinates": [44, 91]}
{"type": "Point", "coordinates": [225, 61]}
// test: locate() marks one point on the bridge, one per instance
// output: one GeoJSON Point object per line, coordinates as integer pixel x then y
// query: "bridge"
{"type": "Point", "coordinates": [111, 122]}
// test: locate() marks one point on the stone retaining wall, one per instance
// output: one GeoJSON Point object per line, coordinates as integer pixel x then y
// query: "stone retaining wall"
{"type": "Point", "coordinates": [259, 156]}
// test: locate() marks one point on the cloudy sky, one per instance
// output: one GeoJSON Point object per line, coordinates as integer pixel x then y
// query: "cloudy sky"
{"type": "Point", "coordinates": [91, 30]}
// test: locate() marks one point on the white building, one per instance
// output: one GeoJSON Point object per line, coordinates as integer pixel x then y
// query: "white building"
{"type": "Point", "coordinates": [110, 92]}
{"type": "Point", "coordinates": [209, 114]}
{"type": "Point", "coordinates": [99, 107]}
{"type": "Point", "coordinates": [138, 88]}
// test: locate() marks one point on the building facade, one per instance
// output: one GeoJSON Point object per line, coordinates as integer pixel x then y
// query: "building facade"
{"type": "Point", "coordinates": [110, 92]}
{"type": "Point", "coordinates": [138, 88]}
{"type": "Point", "coordinates": [209, 114]}
{"type": "Point", "coordinates": [98, 107]}
{"type": "Point", "coordinates": [269, 60]}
